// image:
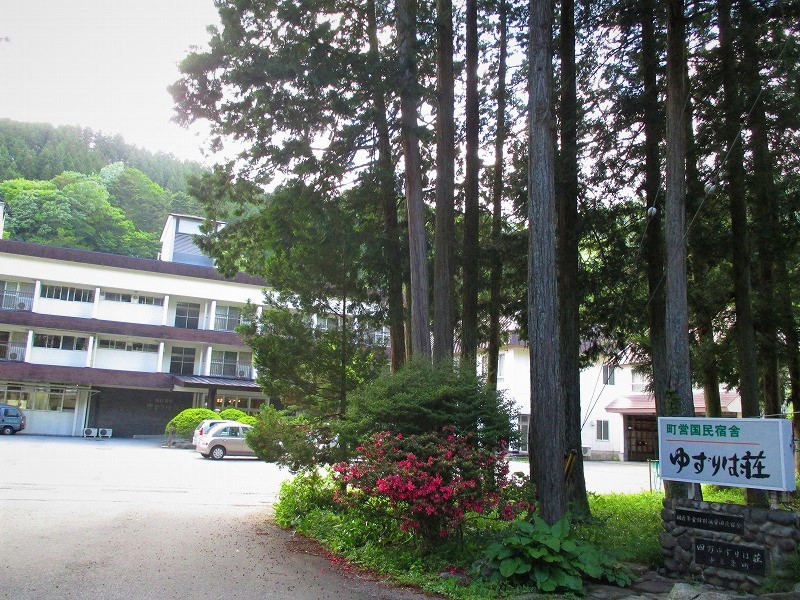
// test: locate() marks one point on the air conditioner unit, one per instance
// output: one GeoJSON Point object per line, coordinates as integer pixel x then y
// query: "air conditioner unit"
{"type": "Point", "coordinates": [134, 298]}
{"type": "Point", "coordinates": [104, 433]}
{"type": "Point", "coordinates": [102, 294]}
{"type": "Point", "coordinates": [13, 356]}
{"type": "Point", "coordinates": [242, 373]}
{"type": "Point", "coordinates": [90, 432]}
{"type": "Point", "coordinates": [21, 306]}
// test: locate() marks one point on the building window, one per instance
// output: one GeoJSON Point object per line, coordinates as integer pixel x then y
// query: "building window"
{"type": "Point", "coordinates": [129, 346]}
{"type": "Point", "coordinates": [40, 398]}
{"type": "Point", "coordinates": [248, 404]}
{"type": "Point", "coordinates": [602, 431]}
{"type": "Point", "coordinates": [227, 318]}
{"type": "Point", "coordinates": [381, 337]}
{"type": "Point", "coordinates": [501, 367]}
{"type": "Point", "coordinates": [187, 315]}
{"type": "Point", "coordinates": [115, 297]}
{"type": "Point", "coordinates": [182, 361]}
{"type": "Point", "coordinates": [151, 301]}
{"type": "Point", "coordinates": [524, 426]}
{"type": "Point", "coordinates": [327, 323]}
{"type": "Point", "coordinates": [60, 342]}
{"type": "Point", "coordinates": [608, 374]}
{"type": "Point", "coordinates": [639, 381]}
{"type": "Point", "coordinates": [60, 292]}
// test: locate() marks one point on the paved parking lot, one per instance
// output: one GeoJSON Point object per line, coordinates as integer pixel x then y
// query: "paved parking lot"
{"type": "Point", "coordinates": [138, 471]}
{"type": "Point", "coordinates": [129, 520]}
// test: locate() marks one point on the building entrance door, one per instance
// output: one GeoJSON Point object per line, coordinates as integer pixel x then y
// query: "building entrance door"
{"type": "Point", "coordinates": [641, 438]}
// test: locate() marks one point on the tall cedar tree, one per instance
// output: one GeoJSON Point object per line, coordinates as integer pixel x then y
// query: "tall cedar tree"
{"type": "Point", "coordinates": [386, 184]}
{"type": "Point", "coordinates": [568, 286]}
{"type": "Point", "coordinates": [406, 11]}
{"type": "Point", "coordinates": [495, 255]}
{"type": "Point", "coordinates": [679, 383]}
{"type": "Point", "coordinates": [445, 185]}
{"type": "Point", "coordinates": [471, 251]}
{"type": "Point", "coordinates": [547, 407]}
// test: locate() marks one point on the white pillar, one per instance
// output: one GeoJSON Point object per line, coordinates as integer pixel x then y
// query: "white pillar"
{"type": "Point", "coordinates": [37, 290]}
{"type": "Point", "coordinates": [212, 318]}
{"type": "Point", "coordinates": [96, 307]}
{"type": "Point", "coordinates": [165, 312]}
{"type": "Point", "coordinates": [90, 352]}
{"type": "Point", "coordinates": [29, 345]}
{"type": "Point", "coordinates": [160, 364]}
{"type": "Point", "coordinates": [207, 366]}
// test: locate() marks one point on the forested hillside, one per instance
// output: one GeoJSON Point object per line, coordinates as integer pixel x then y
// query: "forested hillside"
{"type": "Point", "coordinates": [74, 187]}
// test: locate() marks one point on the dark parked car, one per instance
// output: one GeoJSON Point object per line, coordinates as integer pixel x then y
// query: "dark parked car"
{"type": "Point", "coordinates": [12, 419]}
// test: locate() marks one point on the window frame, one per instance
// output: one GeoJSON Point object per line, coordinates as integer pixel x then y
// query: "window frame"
{"type": "Point", "coordinates": [181, 359]}
{"type": "Point", "coordinates": [184, 317]}
{"type": "Point", "coordinates": [602, 430]}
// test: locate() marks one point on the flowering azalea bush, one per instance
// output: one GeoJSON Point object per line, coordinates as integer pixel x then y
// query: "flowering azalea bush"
{"type": "Point", "coordinates": [431, 481]}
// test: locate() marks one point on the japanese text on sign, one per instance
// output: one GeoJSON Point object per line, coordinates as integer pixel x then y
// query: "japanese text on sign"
{"type": "Point", "coordinates": [753, 453]}
{"type": "Point", "coordinates": [735, 557]}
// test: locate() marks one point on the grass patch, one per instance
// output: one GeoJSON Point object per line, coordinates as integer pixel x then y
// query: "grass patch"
{"type": "Point", "coordinates": [626, 525]}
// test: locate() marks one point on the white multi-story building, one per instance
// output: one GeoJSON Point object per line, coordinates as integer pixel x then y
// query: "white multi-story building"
{"type": "Point", "coordinates": [93, 340]}
{"type": "Point", "coordinates": [618, 415]}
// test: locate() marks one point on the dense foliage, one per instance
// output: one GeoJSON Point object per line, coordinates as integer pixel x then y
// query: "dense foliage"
{"type": "Point", "coordinates": [234, 414]}
{"type": "Point", "coordinates": [293, 441]}
{"type": "Point", "coordinates": [185, 422]}
{"type": "Point", "coordinates": [40, 151]}
{"type": "Point", "coordinates": [366, 535]}
{"type": "Point", "coordinates": [71, 187]}
{"type": "Point", "coordinates": [430, 482]}
{"type": "Point", "coordinates": [422, 397]}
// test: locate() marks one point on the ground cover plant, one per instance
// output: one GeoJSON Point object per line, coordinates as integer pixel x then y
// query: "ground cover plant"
{"type": "Point", "coordinates": [370, 534]}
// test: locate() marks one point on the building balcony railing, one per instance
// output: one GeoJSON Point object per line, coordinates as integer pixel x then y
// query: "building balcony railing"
{"type": "Point", "coordinates": [227, 323]}
{"type": "Point", "coordinates": [230, 369]}
{"type": "Point", "coordinates": [16, 300]}
{"type": "Point", "coordinates": [12, 352]}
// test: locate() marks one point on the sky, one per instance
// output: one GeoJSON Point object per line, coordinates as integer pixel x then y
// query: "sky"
{"type": "Point", "coordinates": [102, 64]}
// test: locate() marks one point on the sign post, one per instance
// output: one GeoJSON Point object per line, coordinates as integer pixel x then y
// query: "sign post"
{"type": "Point", "coordinates": [751, 453]}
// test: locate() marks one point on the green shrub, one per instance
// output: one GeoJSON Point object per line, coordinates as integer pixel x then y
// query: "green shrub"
{"type": "Point", "coordinates": [185, 422]}
{"type": "Point", "coordinates": [291, 441]}
{"type": "Point", "coordinates": [234, 414]}
{"type": "Point", "coordinates": [302, 495]}
{"type": "Point", "coordinates": [423, 398]}
{"type": "Point", "coordinates": [548, 557]}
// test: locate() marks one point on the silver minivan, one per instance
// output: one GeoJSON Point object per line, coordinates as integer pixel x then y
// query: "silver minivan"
{"type": "Point", "coordinates": [12, 419]}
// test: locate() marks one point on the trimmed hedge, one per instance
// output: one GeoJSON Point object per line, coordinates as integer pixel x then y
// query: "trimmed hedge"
{"type": "Point", "coordinates": [186, 421]}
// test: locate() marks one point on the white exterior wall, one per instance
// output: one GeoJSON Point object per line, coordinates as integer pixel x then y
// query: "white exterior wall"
{"type": "Point", "coordinates": [168, 239]}
{"type": "Point", "coordinates": [65, 308]}
{"type": "Point", "coordinates": [129, 312]}
{"type": "Point", "coordinates": [66, 422]}
{"type": "Point", "coordinates": [25, 268]}
{"type": "Point", "coordinates": [595, 396]}
{"type": "Point", "coordinates": [515, 384]}
{"type": "Point", "coordinates": [514, 380]}
{"type": "Point", "coordinates": [55, 356]}
{"type": "Point", "coordinates": [123, 360]}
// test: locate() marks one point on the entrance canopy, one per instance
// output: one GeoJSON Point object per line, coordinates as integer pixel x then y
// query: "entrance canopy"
{"type": "Point", "coordinates": [645, 404]}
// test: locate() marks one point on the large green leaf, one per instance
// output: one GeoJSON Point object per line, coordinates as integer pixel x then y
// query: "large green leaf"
{"type": "Point", "coordinates": [509, 566]}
